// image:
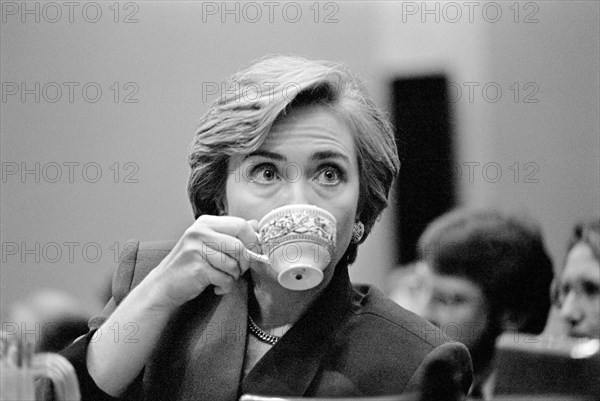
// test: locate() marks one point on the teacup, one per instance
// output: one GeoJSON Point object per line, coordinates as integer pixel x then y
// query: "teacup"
{"type": "Point", "coordinates": [299, 241]}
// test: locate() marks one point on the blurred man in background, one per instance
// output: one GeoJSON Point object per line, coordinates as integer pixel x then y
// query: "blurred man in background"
{"type": "Point", "coordinates": [485, 274]}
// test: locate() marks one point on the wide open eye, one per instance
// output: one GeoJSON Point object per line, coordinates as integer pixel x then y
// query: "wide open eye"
{"type": "Point", "coordinates": [329, 175]}
{"type": "Point", "coordinates": [264, 173]}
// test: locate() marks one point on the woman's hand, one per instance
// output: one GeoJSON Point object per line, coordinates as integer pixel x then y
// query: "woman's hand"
{"type": "Point", "coordinates": [212, 251]}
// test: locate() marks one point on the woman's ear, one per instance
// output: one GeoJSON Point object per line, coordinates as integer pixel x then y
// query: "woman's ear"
{"type": "Point", "coordinates": [222, 208]}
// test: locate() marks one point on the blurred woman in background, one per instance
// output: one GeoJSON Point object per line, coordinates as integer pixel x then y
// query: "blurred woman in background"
{"type": "Point", "coordinates": [577, 289]}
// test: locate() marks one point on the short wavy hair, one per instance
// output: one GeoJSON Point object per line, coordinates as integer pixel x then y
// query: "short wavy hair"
{"type": "Point", "coordinates": [239, 121]}
{"type": "Point", "coordinates": [588, 233]}
{"type": "Point", "coordinates": [504, 255]}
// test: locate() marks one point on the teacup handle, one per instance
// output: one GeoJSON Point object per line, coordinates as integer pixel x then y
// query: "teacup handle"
{"type": "Point", "coordinates": [259, 257]}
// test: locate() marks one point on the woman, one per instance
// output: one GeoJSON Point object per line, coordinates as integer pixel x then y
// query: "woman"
{"type": "Point", "coordinates": [212, 324]}
{"type": "Point", "coordinates": [578, 286]}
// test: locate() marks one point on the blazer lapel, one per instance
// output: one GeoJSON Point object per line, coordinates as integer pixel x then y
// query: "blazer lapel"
{"type": "Point", "coordinates": [291, 365]}
{"type": "Point", "coordinates": [215, 370]}
{"type": "Point", "coordinates": [202, 357]}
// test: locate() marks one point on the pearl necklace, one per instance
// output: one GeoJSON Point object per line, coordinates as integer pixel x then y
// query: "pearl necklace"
{"type": "Point", "coordinates": [260, 334]}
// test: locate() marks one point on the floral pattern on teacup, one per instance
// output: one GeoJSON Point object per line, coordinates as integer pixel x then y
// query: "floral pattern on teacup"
{"type": "Point", "coordinates": [297, 223]}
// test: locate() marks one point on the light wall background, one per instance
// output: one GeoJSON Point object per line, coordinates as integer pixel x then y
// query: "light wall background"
{"type": "Point", "coordinates": [175, 50]}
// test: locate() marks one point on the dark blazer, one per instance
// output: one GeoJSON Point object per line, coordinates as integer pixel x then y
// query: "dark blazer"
{"type": "Point", "coordinates": [352, 341]}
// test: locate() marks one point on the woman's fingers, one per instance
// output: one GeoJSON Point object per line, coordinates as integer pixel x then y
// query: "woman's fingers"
{"type": "Point", "coordinates": [228, 254]}
{"type": "Point", "coordinates": [223, 282]}
{"type": "Point", "coordinates": [223, 236]}
{"type": "Point", "coordinates": [223, 262]}
{"type": "Point", "coordinates": [236, 227]}
{"type": "Point", "coordinates": [212, 251]}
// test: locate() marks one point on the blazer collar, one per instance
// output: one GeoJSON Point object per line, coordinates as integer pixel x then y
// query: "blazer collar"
{"type": "Point", "coordinates": [290, 366]}
{"type": "Point", "coordinates": [202, 354]}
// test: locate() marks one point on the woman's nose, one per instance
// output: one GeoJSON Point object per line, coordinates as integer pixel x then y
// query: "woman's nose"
{"type": "Point", "coordinates": [570, 310]}
{"type": "Point", "coordinates": [298, 192]}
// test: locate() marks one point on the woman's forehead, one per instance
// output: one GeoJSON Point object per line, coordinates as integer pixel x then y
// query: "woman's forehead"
{"type": "Point", "coordinates": [310, 129]}
{"type": "Point", "coordinates": [582, 263]}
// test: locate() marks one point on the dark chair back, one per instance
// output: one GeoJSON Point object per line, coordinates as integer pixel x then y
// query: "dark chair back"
{"type": "Point", "coordinates": [542, 365]}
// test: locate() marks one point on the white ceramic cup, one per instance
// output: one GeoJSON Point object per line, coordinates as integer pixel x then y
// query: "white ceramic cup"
{"type": "Point", "coordinates": [298, 242]}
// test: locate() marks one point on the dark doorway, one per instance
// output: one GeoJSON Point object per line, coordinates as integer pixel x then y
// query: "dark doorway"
{"type": "Point", "coordinates": [425, 188]}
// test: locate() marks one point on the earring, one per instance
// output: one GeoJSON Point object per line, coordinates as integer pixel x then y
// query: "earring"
{"type": "Point", "coordinates": [357, 231]}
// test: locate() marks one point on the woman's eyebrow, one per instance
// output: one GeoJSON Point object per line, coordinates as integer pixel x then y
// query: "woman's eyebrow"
{"type": "Point", "coordinates": [329, 154]}
{"type": "Point", "coordinates": [265, 153]}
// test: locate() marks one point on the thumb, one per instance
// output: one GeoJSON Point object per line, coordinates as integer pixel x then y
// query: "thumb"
{"type": "Point", "coordinates": [254, 246]}
{"type": "Point", "coordinates": [253, 224]}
